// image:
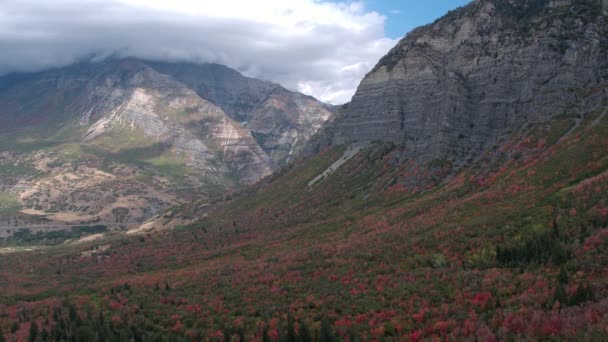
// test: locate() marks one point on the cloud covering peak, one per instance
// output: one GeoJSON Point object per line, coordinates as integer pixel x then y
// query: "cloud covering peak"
{"type": "Point", "coordinates": [319, 48]}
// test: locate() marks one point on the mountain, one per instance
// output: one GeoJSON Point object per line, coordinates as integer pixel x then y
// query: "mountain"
{"type": "Point", "coordinates": [378, 237]}
{"type": "Point", "coordinates": [453, 89]}
{"type": "Point", "coordinates": [120, 140]}
{"type": "Point", "coordinates": [280, 120]}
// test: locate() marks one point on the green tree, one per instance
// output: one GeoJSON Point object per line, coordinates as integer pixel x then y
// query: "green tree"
{"type": "Point", "coordinates": [265, 337]}
{"type": "Point", "coordinates": [560, 295]}
{"type": "Point", "coordinates": [44, 335]}
{"type": "Point", "coordinates": [291, 334]}
{"type": "Point", "coordinates": [33, 331]}
{"type": "Point", "coordinates": [84, 334]}
{"type": "Point", "coordinates": [583, 294]}
{"type": "Point", "coordinates": [304, 332]}
{"type": "Point", "coordinates": [327, 333]}
{"type": "Point", "coordinates": [563, 276]}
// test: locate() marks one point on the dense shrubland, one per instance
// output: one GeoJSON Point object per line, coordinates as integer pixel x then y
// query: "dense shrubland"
{"type": "Point", "coordinates": [512, 247]}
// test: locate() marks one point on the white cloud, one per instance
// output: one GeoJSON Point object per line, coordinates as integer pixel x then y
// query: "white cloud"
{"type": "Point", "coordinates": [320, 48]}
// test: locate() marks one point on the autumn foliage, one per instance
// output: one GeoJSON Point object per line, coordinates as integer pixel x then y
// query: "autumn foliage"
{"type": "Point", "coordinates": [512, 247]}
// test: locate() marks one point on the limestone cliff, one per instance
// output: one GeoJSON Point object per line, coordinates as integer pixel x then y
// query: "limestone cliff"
{"type": "Point", "coordinates": [454, 88]}
{"type": "Point", "coordinates": [281, 121]}
{"type": "Point", "coordinates": [115, 142]}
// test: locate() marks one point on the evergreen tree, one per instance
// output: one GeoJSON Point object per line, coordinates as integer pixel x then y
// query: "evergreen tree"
{"type": "Point", "coordinates": [33, 331]}
{"type": "Point", "coordinates": [560, 295]}
{"type": "Point", "coordinates": [84, 334]}
{"type": "Point", "coordinates": [582, 294]}
{"type": "Point", "coordinates": [555, 229]}
{"type": "Point", "coordinates": [265, 337]}
{"type": "Point", "coordinates": [304, 332]}
{"type": "Point", "coordinates": [327, 334]}
{"type": "Point", "coordinates": [291, 334]}
{"type": "Point", "coordinates": [2, 338]}
{"type": "Point", "coordinates": [44, 335]}
{"type": "Point", "coordinates": [352, 335]}
{"type": "Point", "coordinates": [563, 276]}
{"type": "Point", "coordinates": [227, 335]}
{"type": "Point", "coordinates": [73, 313]}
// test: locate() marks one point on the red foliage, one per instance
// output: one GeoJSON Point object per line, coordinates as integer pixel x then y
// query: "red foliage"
{"type": "Point", "coordinates": [273, 334]}
{"type": "Point", "coordinates": [116, 320]}
{"type": "Point", "coordinates": [416, 336]}
{"type": "Point", "coordinates": [481, 299]}
{"type": "Point", "coordinates": [178, 327]}
{"type": "Point", "coordinates": [218, 334]}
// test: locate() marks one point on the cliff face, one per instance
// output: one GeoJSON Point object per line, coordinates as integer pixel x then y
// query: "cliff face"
{"type": "Point", "coordinates": [132, 98]}
{"type": "Point", "coordinates": [280, 120]}
{"type": "Point", "coordinates": [284, 122]}
{"type": "Point", "coordinates": [95, 139]}
{"type": "Point", "coordinates": [453, 88]}
{"type": "Point", "coordinates": [174, 115]}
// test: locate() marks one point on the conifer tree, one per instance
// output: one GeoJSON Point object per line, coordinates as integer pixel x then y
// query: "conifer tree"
{"type": "Point", "coordinates": [327, 334]}
{"type": "Point", "coordinates": [33, 331]}
{"type": "Point", "coordinates": [291, 335]}
{"type": "Point", "coordinates": [304, 332]}
{"type": "Point", "coordinates": [563, 276]}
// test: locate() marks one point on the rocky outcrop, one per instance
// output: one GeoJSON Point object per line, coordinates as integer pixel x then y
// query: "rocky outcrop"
{"type": "Point", "coordinates": [89, 141]}
{"type": "Point", "coordinates": [285, 122]}
{"type": "Point", "coordinates": [454, 88]}
{"type": "Point", "coordinates": [236, 94]}
{"type": "Point", "coordinates": [280, 120]}
{"type": "Point", "coordinates": [173, 115]}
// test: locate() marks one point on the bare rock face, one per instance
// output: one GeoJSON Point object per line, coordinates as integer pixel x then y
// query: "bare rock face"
{"type": "Point", "coordinates": [174, 115]}
{"type": "Point", "coordinates": [453, 88]}
{"type": "Point", "coordinates": [284, 122]}
{"type": "Point", "coordinates": [280, 120]}
{"type": "Point", "coordinates": [116, 142]}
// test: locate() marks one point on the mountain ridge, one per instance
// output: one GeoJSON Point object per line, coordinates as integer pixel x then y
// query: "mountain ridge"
{"type": "Point", "coordinates": [433, 93]}
{"type": "Point", "coordinates": [126, 118]}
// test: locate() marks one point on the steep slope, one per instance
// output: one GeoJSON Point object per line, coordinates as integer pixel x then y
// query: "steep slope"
{"type": "Point", "coordinates": [281, 121]}
{"type": "Point", "coordinates": [454, 88]}
{"type": "Point", "coordinates": [116, 142]}
{"type": "Point", "coordinates": [506, 250]}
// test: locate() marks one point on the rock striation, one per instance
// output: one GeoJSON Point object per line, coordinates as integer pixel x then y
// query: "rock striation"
{"type": "Point", "coordinates": [133, 137]}
{"type": "Point", "coordinates": [280, 120]}
{"type": "Point", "coordinates": [453, 88]}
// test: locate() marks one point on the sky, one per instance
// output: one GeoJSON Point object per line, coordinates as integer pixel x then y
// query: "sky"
{"type": "Point", "coordinates": [403, 16]}
{"type": "Point", "coordinates": [322, 48]}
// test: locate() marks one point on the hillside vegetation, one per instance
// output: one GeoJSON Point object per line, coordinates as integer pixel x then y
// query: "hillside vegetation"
{"type": "Point", "coordinates": [511, 247]}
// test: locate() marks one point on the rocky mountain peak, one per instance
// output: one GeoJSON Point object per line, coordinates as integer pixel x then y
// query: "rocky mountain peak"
{"type": "Point", "coordinates": [282, 121]}
{"type": "Point", "coordinates": [456, 87]}
{"type": "Point", "coordinates": [129, 128]}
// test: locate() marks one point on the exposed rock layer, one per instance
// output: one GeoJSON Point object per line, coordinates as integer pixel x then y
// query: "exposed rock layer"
{"type": "Point", "coordinates": [454, 88]}
{"type": "Point", "coordinates": [280, 120]}
{"type": "Point", "coordinates": [122, 139]}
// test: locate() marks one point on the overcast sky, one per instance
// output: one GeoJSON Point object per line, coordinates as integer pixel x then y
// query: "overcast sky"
{"type": "Point", "coordinates": [321, 48]}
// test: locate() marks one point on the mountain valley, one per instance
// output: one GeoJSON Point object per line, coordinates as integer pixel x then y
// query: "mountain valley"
{"type": "Point", "coordinates": [461, 195]}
